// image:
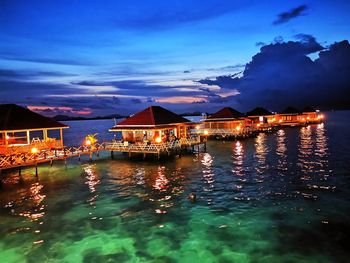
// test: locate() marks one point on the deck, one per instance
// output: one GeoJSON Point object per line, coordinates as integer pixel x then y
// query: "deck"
{"type": "Point", "coordinates": [21, 159]}
{"type": "Point", "coordinates": [223, 132]}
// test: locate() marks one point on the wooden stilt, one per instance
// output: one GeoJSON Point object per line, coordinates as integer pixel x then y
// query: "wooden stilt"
{"type": "Point", "coordinates": [112, 155]}
{"type": "Point", "coordinates": [144, 155]}
{"type": "Point", "coordinates": [51, 162]}
{"type": "Point", "coordinates": [20, 171]}
{"type": "Point", "coordinates": [65, 162]}
{"type": "Point", "coordinates": [91, 157]}
{"type": "Point", "coordinates": [36, 170]}
{"type": "Point", "coordinates": [79, 157]}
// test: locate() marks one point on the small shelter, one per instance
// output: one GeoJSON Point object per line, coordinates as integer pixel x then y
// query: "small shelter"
{"type": "Point", "coordinates": [226, 122]}
{"type": "Point", "coordinates": [290, 116]}
{"type": "Point", "coordinates": [22, 129]}
{"type": "Point", "coordinates": [153, 125]}
{"type": "Point", "coordinates": [310, 115]}
{"type": "Point", "coordinates": [261, 117]}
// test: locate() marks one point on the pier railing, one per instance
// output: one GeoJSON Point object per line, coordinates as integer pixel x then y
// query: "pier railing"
{"type": "Point", "coordinates": [223, 132]}
{"type": "Point", "coordinates": [21, 158]}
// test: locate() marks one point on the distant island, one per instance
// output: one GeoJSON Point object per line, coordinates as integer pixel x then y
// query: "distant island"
{"type": "Point", "coordinates": [79, 118]}
{"type": "Point", "coordinates": [107, 117]}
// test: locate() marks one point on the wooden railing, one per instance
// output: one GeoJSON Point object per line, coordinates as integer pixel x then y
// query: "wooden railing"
{"type": "Point", "coordinates": [227, 132]}
{"type": "Point", "coordinates": [24, 158]}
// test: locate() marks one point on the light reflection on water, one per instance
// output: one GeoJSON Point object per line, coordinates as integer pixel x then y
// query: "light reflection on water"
{"type": "Point", "coordinates": [261, 150]}
{"type": "Point", "coordinates": [255, 197]}
{"type": "Point", "coordinates": [281, 151]}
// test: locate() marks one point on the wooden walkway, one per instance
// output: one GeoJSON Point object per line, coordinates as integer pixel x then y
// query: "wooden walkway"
{"type": "Point", "coordinates": [43, 156]}
{"type": "Point", "coordinates": [224, 132]}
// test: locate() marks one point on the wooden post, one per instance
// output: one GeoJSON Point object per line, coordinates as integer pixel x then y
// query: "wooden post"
{"type": "Point", "coordinates": [144, 155]}
{"type": "Point", "coordinates": [6, 141]}
{"type": "Point", "coordinates": [79, 159]}
{"type": "Point", "coordinates": [36, 169]}
{"type": "Point", "coordinates": [65, 162]}
{"type": "Point", "coordinates": [112, 155]}
{"type": "Point", "coordinates": [20, 171]}
{"type": "Point", "coordinates": [61, 136]}
{"type": "Point", "coordinates": [90, 157]}
{"type": "Point", "coordinates": [45, 134]}
{"type": "Point", "coordinates": [28, 137]}
{"type": "Point", "coordinates": [51, 162]}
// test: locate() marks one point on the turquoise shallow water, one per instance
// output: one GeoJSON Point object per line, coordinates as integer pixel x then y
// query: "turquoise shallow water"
{"type": "Point", "coordinates": [280, 197]}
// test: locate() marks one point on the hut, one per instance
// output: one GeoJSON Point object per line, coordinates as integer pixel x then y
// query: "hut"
{"type": "Point", "coordinates": [153, 125]}
{"type": "Point", "coordinates": [226, 122]}
{"type": "Point", "coordinates": [262, 119]}
{"type": "Point", "coordinates": [22, 130]}
{"type": "Point", "coordinates": [290, 117]}
{"type": "Point", "coordinates": [310, 115]}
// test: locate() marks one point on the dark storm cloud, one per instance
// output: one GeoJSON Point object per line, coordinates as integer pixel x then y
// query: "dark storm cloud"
{"type": "Point", "coordinates": [282, 74]}
{"type": "Point", "coordinates": [293, 13]}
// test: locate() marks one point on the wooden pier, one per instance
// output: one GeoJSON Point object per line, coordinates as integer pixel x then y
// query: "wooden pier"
{"type": "Point", "coordinates": [21, 159]}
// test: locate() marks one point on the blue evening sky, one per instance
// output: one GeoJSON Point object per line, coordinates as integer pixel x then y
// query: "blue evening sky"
{"type": "Point", "coordinates": [101, 57]}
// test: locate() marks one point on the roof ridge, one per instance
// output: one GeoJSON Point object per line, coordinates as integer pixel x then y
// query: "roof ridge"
{"type": "Point", "coordinates": [152, 115]}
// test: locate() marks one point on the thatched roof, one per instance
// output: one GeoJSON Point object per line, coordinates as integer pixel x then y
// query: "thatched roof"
{"type": "Point", "coordinates": [259, 111]}
{"type": "Point", "coordinates": [290, 110]}
{"type": "Point", "coordinates": [14, 117]}
{"type": "Point", "coordinates": [225, 114]}
{"type": "Point", "coordinates": [154, 116]}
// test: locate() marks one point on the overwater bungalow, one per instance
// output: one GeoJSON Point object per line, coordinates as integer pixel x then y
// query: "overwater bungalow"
{"type": "Point", "coordinates": [310, 115]}
{"type": "Point", "coordinates": [22, 131]}
{"type": "Point", "coordinates": [154, 125]}
{"type": "Point", "coordinates": [261, 118]}
{"type": "Point", "coordinates": [227, 122]}
{"type": "Point", "coordinates": [290, 117]}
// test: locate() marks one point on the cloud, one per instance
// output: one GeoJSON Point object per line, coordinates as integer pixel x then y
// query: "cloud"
{"type": "Point", "coordinates": [167, 15]}
{"type": "Point", "coordinates": [20, 56]}
{"type": "Point", "coordinates": [291, 14]}
{"type": "Point", "coordinates": [10, 74]}
{"type": "Point", "coordinates": [282, 74]}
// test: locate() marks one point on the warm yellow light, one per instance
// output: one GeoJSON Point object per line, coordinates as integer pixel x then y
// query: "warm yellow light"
{"type": "Point", "coordinates": [87, 142]}
{"type": "Point", "coordinates": [34, 150]}
{"type": "Point", "coordinates": [258, 125]}
{"type": "Point", "coordinates": [238, 128]}
{"type": "Point", "coordinates": [158, 140]}
{"type": "Point", "coordinates": [280, 121]}
{"type": "Point", "coordinates": [197, 127]}
{"type": "Point", "coordinates": [8, 137]}
{"type": "Point", "coordinates": [206, 132]}
{"type": "Point", "coordinates": [308, 117]}
{"type": "Point", "coordinates": [303, 119]}
{"type": "Point", "coordinates": [273, 119]}
{"type": "Point", "coordinates": [321, 116]}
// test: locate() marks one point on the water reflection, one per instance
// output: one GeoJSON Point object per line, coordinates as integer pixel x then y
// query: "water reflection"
{"type": "Point", "coordinates": [313, 160]}
{"type": "Point", "coordinates": [321, 141]}
{"type": "Point", "coordinates": [28, 203]}
{"type": "Point", "coordinates": [208, 173]}
{"type": "Point", "coordinates": [281, 151]}
{"type": "Point", "coordinates": [238, 153]}
{"type": "Point", "coordinates": [161, 182]}
{"type": "Point", "coordinates": [261, 151]}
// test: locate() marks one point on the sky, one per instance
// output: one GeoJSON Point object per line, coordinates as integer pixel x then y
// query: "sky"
{"type": "Point", "coordinates": [93, 58]}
